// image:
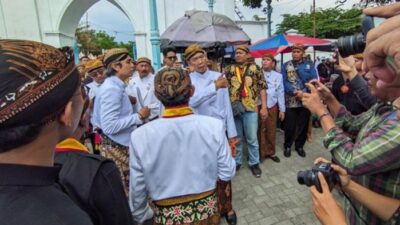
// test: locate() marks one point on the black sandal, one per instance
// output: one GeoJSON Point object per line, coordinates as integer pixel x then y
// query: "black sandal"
{"type": "Point", "coordinates": [231, 219]}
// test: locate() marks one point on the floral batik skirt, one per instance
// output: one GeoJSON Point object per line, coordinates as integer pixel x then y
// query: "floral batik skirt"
{"type": "Point", "coordinates": [197, 209]}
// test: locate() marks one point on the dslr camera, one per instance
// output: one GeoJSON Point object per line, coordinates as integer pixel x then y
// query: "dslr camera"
{"type": "Point", "coordinates": [310, 177]}
{"type": "Point", "coordinates": [350, 45]}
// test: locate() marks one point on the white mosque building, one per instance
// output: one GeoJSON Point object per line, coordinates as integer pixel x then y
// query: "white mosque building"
{"type": "Point", "coordinates": [54, 21]}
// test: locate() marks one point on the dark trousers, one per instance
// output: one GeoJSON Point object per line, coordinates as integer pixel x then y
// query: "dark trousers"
{"type": "Point", "coordinates": [296, 126]}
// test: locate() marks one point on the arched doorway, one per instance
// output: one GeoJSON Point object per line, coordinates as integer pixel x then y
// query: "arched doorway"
{"type": "Point", "coordinates": [73, 13]}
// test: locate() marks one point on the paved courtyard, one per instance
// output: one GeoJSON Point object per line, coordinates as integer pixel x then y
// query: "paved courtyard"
{"type": "Point", "coordinates": [276, 197]}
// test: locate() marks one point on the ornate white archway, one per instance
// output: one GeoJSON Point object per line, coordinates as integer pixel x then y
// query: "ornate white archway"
{"type": "Point", "coordinates": [71, 15]}
{"type": "Point", "coordinates": [54, 22]}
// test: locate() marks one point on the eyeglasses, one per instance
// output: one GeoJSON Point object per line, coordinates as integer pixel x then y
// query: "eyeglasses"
{"type": "Point", "coordinates": [172, 58]}
{"type": "Point", "coordinates": [97, 72]}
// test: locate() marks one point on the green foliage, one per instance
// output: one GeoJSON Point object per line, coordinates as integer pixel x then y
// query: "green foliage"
{"type": "Point", "coordinates": [252, 3]}
{"type": "Point", "coordinates": [95, 42]}
{"type": "Point", "coordinates": [330, 23]}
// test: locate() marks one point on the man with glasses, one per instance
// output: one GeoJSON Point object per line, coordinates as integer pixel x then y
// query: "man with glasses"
{"type": "Point", "coordinates": [170, 58]}
{"type": "Point", "coordinates": [95, 69]}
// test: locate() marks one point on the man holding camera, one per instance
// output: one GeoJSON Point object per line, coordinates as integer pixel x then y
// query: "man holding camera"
{"type": "Point", "coordinates": [296, 73]}
{"type": "Point", "coordinates": [373, 158]}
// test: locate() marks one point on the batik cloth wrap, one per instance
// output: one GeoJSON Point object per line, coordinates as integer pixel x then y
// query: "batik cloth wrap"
{"type": "Point", "coordinates": [196, 209]}
{"type": "Point", "coordinates": [120, 155]}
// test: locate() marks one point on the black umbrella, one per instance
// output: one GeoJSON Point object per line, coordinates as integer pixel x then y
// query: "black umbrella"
{"type": "Point", "coordinates": [204, 28]}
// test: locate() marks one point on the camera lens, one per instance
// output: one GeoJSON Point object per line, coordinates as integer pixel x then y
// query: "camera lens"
{"type": "Point", "coordinates": [351, 45]}
{"type": "Point", "coordinates": [306, 177]}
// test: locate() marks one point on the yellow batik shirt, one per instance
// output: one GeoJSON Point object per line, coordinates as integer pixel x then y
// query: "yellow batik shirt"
{"type": "Point", "coordinates": [254, 83]}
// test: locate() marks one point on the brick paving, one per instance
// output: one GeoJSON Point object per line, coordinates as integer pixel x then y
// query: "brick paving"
{"type": "Point", "coordinates": [276, 197]}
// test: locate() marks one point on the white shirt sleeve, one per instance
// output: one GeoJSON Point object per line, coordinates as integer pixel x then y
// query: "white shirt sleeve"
{"type": "Point", "coordinates": [201, 96]}
{"type": "Point", "coordinates": [226, 163]}
{"type": "Point", "coordinates": [230, 122]}
{"type": "Point", "coordinates": [137, 188]}
{"type": "Point", "coordinates": [111, 120]}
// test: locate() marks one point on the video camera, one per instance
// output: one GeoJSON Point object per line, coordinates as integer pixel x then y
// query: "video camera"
{"type": "Point", "coordinates": [216, 52]}
{"type": "Point", "coordinates": [310, 177]}
{"type": "Point", "coordinates": [350, 45]}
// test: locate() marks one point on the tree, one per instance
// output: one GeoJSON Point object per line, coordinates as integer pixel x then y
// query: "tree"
{"type": "Point", "coordinates": [330, 23]}
{"type": "Point", "coordinates": [95, 42]}
{"type": "Point", "coordinates": [253, 3]}
{"type": "Point", "coordinates": [84, 37]}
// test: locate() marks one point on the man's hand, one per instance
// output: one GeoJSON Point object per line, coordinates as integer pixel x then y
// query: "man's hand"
{"type": "Point", "coordinates": [323, 91]}
{"type": "Point", "coordinates": [299, 94]}
{"type": "Point", "coordinates": [281, 116]}
{"type": "Point", "coordinates": [144, 112]}
{"type": "Point", "coordinates": [132, 99]}
{"type": "Point", "coordinates": [382, 57]}
{"type": "Point", "coordinates": [327, 210]}
{"type": "Point", "coordinates": [382, 54]}
{"type": "Point", "coordinates": [221, 82]}
{"type": "Point", "coordinates": [312, 101]}
{"type": "Point", "coordinates": [264, 113]}
{"type": "Point", "coordinates": [344, 177]}
{"type": "Point", "coordinates": [232, 144]}
{"type": "Point", "coordinates": [383, 11]}
{"type": "Point", "coordinates": [234, 140]}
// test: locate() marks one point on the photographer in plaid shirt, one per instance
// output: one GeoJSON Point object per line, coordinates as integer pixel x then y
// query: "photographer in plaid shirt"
{"type": "Point", "coordinates": [372, 156]}
{"type": "Point", "coordinates": [366, 145]}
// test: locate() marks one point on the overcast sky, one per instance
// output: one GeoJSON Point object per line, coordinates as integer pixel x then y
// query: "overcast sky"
{"type": "Point", "coordinates": [118, 25]}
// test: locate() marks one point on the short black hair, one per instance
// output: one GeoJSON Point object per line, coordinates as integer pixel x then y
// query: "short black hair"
{"type": "Point", "coordinates": [167, 49]}
{"type": "Point", "coordinates": [13, 137]}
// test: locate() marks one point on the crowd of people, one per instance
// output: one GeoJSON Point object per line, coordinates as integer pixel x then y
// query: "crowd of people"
{"type": "Point", "coordinates": [165, 145]}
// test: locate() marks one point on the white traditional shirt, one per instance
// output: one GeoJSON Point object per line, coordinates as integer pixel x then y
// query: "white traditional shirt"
{"type": "Point", "coordinates": [275, 90]}
{"type": "Point", "coordinates": [93, 87]}
{"type": "Point", "coordinates": [175, 157]}
{"type": "Point", "coordinates": [208, 101]}
{"type": "Point", "coordinates": [144, 88]}
{"type": "Point", "coordinates": [113, 112]}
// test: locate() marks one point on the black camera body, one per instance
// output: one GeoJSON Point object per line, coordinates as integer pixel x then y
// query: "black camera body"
{"type": "Point", "coordinates": [218, 51]}
{"type": "Point", "coordinates": [350, 45]}
{"type": "Point", "coordinates": [310, 177]}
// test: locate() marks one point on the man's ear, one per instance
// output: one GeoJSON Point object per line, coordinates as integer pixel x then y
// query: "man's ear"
{"type": "Point", "coordinates": [116, 66]}
{"type": "Point", "coordinates": [66, 115]}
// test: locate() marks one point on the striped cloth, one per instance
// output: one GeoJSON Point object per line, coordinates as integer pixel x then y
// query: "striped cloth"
{"type": "Point", "coordinates": [372, 157]}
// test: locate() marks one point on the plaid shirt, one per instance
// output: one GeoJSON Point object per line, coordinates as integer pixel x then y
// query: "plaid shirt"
{"type": "Point", "coordinates": [372, 157]}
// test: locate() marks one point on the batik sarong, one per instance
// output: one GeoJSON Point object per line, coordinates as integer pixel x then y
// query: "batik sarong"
{"type": "Point", "coordinates": [120, 155]}
{"type": "Point", "coordinates": [197, 209]}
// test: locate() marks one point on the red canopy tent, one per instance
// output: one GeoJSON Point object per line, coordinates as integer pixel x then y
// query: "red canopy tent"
{"type": "Point", "coordinates": [282, 43]}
